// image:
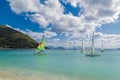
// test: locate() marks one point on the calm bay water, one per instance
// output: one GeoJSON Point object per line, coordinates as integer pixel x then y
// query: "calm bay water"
{"type": "Point", "coordinates": [59, 65]}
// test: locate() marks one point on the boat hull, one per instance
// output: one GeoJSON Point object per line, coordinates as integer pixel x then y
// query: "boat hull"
{"type": "Point", "coordinates": [40, 53]}
{"type": "Point", "coordinates": [92, 55]}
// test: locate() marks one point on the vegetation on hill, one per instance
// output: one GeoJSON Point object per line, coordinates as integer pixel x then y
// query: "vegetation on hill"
{"type": "Point", "coordinates": [10, 38]}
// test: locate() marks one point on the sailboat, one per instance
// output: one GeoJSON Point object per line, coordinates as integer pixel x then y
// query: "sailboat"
{"type": "Point", "coordinates": [82, 46]}
{"type": "Point", "coordinates": [92, 54]}
{"type": "Point", "coordinates": [102, 49]}
{"type": "Point", "coordinates": [41, 47]}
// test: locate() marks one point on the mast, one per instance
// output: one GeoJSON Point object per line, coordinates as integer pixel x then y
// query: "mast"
{"type": "Point", "coordinates": [82, 46]}
{"type": "Point", "coordinates": [43, 42]}
{"type": "Point", "coordinates": [74, 45]}
{"type": "Point", "coordinates": [92, 48]}
{"type": "Point", "coordinates": [102, 49]}
{"type": "Point", "coordinates": [92, 54]}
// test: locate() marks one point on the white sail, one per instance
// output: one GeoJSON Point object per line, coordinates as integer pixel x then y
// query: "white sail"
{"type": "Point", "coordinates": [82, 46]}
{"type": "Point", "coordinates": [102, 48]}
{"type": "Point", "coordinates": [92, 48]}
{"type": "Point", "coordinates": [92, 54]}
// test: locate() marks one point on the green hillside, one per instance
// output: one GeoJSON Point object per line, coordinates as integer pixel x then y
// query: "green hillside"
{"type": "Point", "coordinates": [10, 38]}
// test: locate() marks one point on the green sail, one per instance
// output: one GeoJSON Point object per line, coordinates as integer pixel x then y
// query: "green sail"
{"type": "Point", "coordinates": [41, 46]}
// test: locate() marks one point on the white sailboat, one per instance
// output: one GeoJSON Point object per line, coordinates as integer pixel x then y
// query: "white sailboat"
{"type": "Point", "coordinates": [82, 46]}
{"type": "Point", "coordinates": [92, 54]}
{"type": "Point", "coordinates": [102, 48]}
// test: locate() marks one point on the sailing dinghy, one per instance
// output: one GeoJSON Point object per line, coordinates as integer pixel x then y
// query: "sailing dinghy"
{"type": "Point", "coordinates": [41, 47]}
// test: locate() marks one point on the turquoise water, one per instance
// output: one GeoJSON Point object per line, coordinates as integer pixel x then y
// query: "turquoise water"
{"type": "Point", "coordinates": [59, 65]}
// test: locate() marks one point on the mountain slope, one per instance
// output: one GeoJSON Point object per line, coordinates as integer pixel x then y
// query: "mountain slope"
{"type": "Point", "coordinates": [10, 38]}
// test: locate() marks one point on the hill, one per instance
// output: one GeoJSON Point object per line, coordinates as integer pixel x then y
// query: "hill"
{"type": "Point", "coordinates": [10, 38]}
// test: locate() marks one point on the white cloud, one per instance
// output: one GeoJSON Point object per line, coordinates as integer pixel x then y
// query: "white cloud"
{"type": "Point", "coordinates": [95, 13]}
{"type": "Point", "coordinates": [36, 35]}
{"type": "Point", "coordinates": [20, 6]}
{"type": "Point", "coordinates": [109, 40]}
{"type": "Point", "coordinates": [39, 19]}
{"type": "Point", "coordinates": [49, 34]}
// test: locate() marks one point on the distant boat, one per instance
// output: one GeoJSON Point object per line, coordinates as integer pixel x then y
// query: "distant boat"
{"type": "Point", "coordinates": [102, 48]}
{"type": "Point", "coordinates": [41, 47]}
{"type": "Point", "coordinates": [92, 54]}
{"type": "Point", "coordinates": [82, 46]}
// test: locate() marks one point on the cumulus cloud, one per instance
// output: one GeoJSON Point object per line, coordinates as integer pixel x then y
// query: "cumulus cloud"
{"type": "Point", "coordinates": [51, 12]}
{"type": "Point", "coordinates": [109, 40]}
{"type": "Point", "coordinates": [20, 6]}
{"type": "Point", "coordinates": [92, 14]}
{"type": "Point", "coordinates": [38, 35]}
{"type": "Point", "coordinates": [35, 35]}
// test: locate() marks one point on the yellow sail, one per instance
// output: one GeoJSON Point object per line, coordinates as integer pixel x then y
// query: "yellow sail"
{"type": "Point", "coordinates": [41, 46]}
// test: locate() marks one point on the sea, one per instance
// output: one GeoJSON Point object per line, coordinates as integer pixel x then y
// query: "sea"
{"type": "Point", "coordinates": [22, 64]}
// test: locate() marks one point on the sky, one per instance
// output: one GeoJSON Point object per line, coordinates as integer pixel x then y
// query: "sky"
{"type": "Point", "coordinates": [65, 22]}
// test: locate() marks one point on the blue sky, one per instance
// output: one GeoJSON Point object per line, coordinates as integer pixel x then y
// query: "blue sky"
{"type": "Point", "coordinates": [17, 21]}
{"type": "Point", "coordinates": [63, 19]}
{"type": "Point", "coordinates": [111, 28]}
